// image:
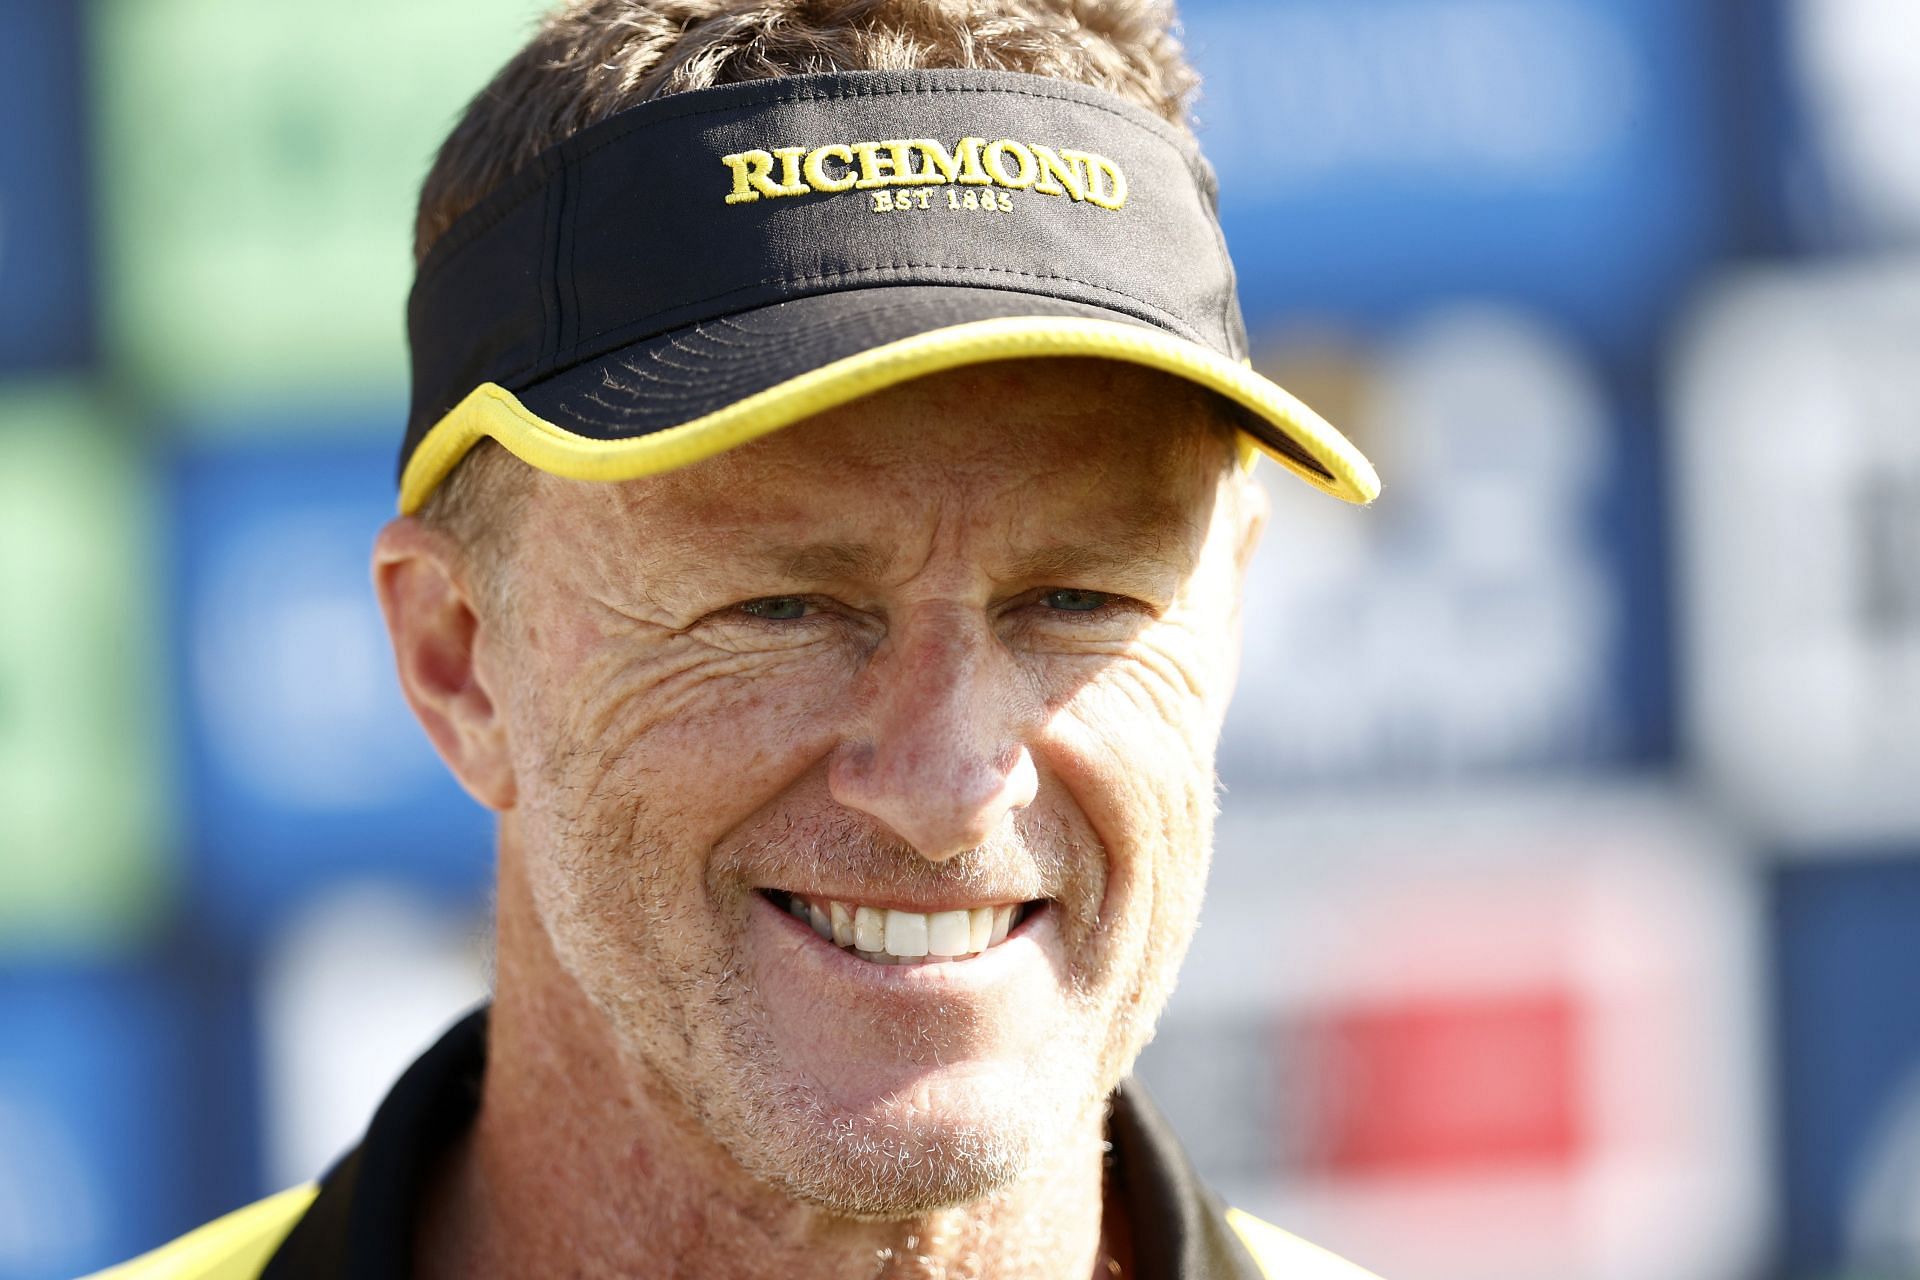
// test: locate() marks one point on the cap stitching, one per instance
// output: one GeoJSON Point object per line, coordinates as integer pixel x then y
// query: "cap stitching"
{"type": "Point", "coordinates": [571, 356]}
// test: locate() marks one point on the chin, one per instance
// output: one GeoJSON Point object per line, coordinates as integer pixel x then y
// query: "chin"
{"type": "Point", "coordinates": [898, 1164]}
{"type": "Point", "coordinates": [886, 1177]}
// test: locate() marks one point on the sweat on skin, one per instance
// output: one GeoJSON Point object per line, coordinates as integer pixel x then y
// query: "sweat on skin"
{"type": "Point", "coordinates": [914, 654]}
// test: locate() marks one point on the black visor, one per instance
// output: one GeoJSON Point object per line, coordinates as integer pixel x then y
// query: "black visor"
{"type": "Point", "coordinates": [705, 268]}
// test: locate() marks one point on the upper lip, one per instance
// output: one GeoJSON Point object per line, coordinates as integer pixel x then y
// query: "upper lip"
{"type": "Point", "coordinates": [925, 904]}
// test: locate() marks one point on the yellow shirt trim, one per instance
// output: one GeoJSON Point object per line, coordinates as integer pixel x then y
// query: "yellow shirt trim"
{"type": "Point", "coordinates": [491, 411]}
{"type": "Point", "coordinates": [238, 1246]}
{"type": "Point", "coordinates": [1283, 1256]}
{"type": "Point", "coordinates": [235, 1247]}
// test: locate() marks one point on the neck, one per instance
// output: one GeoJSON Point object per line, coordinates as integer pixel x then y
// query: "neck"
{"type": "Point", "coordinates": [578, 1164]}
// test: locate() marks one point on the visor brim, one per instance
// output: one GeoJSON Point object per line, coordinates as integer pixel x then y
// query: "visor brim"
{"type": "Point", "coordinates": [686, 395]}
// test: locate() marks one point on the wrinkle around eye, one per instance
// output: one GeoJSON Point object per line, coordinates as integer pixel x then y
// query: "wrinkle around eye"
{"type": "Point", "coordinates": [723, 632]}
{"type": "Point", "coordinates": [620, 703]}
{"type": "Point", "coordinates": [1147, 680]}
{"type": "Point", "coordinates": [655, 617]}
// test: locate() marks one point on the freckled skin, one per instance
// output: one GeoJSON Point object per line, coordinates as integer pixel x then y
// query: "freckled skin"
{"type": "Point", "coordinates": [839, 660]}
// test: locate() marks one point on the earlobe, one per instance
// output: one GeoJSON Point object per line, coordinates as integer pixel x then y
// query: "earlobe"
{"type": "Point", "coordinates": [434, 624]}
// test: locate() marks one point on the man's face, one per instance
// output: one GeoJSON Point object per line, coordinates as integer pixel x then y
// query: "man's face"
{"type": "Point", "coordinates": [965, 644]}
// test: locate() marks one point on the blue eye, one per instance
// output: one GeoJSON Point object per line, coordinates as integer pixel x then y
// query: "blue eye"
{"type": "Point", "coordinates": [777, 608]}
{"type": "Point", "coordinates": [1068, 600]}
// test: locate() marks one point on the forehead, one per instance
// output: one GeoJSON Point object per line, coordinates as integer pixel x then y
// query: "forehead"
{"type": "Point", "coordinates": [1041, 437]}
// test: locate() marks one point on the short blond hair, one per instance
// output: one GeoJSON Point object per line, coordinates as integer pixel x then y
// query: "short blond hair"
{"type": "Point", "coordinates": [593, 58]}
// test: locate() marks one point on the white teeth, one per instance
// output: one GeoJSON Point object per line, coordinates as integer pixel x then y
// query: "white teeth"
{"type": "Point", "coordinates": [882, 936]}
{"type": "Point", "coordinates": [948, 933]}
{"type": "Point", "coordinates": [870, 929]}
{"type": "Point", "coordinates": [906, 934]}
{"type": "Point", "coordinates": [979, 928]}
{"type": "Point", "coordinates": [1002, 921]}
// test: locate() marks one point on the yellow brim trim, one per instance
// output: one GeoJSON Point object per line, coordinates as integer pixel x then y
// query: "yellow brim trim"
{"type": "Point", "coordinates": [491, 411]}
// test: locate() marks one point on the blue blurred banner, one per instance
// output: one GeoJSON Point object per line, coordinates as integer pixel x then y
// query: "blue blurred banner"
{"type": "Point", "coordinates": [1376, 158]}
{"type": "Point", "coordinates": [1502, 609]}
{"type": "Point", "coordinates": [96, 1145]}
{"type": "Point", "coordinates": [302, 765]}
{"type": "Point", "coordinates": [46, 280]}
{"type": "Point", "coordinates": [1847, 1040]}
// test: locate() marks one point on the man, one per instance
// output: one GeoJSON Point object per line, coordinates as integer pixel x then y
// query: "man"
{"type": "Point", "coordinates": [841, 636]}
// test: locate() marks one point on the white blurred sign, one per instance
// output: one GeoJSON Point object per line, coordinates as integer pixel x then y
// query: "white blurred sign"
{"type": "Point", "coordinates": [1480, 1036]}
{"type": "Point", "coordinates": [1798, 459]}
{"type": "Point", "coordinates": [356, 988]}
{"type": "Point", "coordinates": [1883, 1225]}
{"type": "Point", "coordinates": [1858, 67]}
{"type": "Point", "coordinates": [1465, 622]}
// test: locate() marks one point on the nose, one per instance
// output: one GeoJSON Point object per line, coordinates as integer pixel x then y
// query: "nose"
{"type": "Point", "coordinates": [937, 752]}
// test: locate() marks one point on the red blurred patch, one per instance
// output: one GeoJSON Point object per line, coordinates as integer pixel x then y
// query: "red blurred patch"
{"type": "Point", "coordinates": [1453, 1085]}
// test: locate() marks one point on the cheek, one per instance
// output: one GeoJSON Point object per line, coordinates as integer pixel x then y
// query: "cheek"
{"type": "Point", "coordinates": [1151, 717]}
{"type": "Point", "coordinates": [1133, 749]}
{"type": "Point", "coordinates": [693, 738]}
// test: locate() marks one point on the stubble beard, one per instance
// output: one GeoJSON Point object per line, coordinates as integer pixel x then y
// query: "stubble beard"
{"type": "Point", "coordinates": [695, 1038]}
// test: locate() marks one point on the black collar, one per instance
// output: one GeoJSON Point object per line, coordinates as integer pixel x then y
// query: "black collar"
{"type": "Point", "coordinates": [361, 1225]}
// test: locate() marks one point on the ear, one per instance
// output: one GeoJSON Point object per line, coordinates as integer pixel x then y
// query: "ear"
{"type": "Point", "coordinates": [434, 624]}
{"type": "Point", "coordinates": [1252, 507]}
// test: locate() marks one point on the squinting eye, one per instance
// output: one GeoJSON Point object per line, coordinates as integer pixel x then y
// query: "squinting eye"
{"type": "Point", "coordinates": [776, 608]}
{"type": "Point", "coordinates": [1068, 600]}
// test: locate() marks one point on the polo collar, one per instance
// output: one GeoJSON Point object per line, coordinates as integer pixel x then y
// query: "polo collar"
{"type": "Point", "coordinates": [360, 1226]}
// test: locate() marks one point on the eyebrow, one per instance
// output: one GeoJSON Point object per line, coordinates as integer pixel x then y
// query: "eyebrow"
{"type": "Point", "coordinates": [828, 561]}
{"type": "Point", "coordinates": [1068, 562]}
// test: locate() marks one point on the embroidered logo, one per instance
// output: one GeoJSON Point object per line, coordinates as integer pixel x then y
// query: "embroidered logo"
{"type": "Point", "coordinates": [1079, 176]}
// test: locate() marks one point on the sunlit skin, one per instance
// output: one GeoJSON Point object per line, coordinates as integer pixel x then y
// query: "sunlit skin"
{"type": "Point", "coordinates": [965, 642]}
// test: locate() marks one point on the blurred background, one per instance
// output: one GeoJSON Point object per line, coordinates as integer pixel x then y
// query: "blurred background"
{"type": "Point", "coordinates": [1569, 879]}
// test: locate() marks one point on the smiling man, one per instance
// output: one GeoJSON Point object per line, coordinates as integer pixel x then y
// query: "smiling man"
{"type": "Point", "coordinates": [825, 510]}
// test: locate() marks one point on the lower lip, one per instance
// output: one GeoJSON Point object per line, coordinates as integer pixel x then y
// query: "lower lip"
{"type": "Point", "coordinates": [1022, 945]}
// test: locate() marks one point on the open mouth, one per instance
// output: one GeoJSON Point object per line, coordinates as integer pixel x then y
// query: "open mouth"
{"type": "Point", "coordinates": [881, 935]}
